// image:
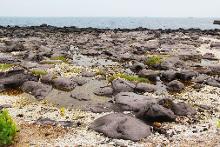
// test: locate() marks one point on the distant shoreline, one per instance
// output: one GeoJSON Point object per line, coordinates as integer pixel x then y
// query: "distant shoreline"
{"type": "Point", "coordinates": [69, 29]}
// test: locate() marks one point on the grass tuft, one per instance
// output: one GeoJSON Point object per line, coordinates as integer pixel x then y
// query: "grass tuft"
{"type": "Point", "coordinates": [127, 77]}
{"type": "Point", "coordinates": [5, 67]}
{"type": "Point", "coordinates": [101, 72]}
{"type": "Point", "coordinates": [61, 58]}
{"type": "Point", "coordinates": [38, 72]}
{"type": "Point", "coordinates": [153, 60]}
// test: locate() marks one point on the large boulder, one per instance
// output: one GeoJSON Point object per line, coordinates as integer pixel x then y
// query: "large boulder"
{"type": "Point", "coordinates": [88, 74]}
{"type": "Point", "coordinates": [168, 75]}
{"type": "Point", "coordinates": [215, 70]}
{"type": "Point", "coordinates": [150, 74]}
{"type": "Point", "coordinates": [202, 78]}
{"type": "Point", "coordinates": [145, 87]}
{"type": "Point", "coordinates": [47, 79]}
{"type": "Point", "coordinates": [137, 67]}
{"type": "Point", "coordinates": [121, 126]}
{"type": "Point", "coordinates": [175, 86]}
{"type": "Point", "coordinates": [38, 90]}
{"type": "Point", "coordinates": [213, 82]}
{"type": "Point", "coordinates": [104, 91]}
{"type": "Point", "coordinates": [129, 101]}
{"type": "Point", "coordinates": [121, 85]}
{"type": "Point", "coordinates": [14, 78]}
{"type": "Point", "coordinates": [79, 80]}
{"type": "Point", "coordinates": [180, 109]}
{"type": "Point", "coordinates": [215, 45]}
{"type": "Point", "coordinates": [171, 63]}
{"type": "Point", "coordinates": [186, 75]}
{"type": "Point", "coordinates": [209, 56]}
{"type": "Point", "coordinates": [65, 84]}
{"type": "Point", "coordinates": [14, 46]}
{"type": "Point", "coordinates": [5, 58]}
{"type": "Point", "coordinates": [155, 112]}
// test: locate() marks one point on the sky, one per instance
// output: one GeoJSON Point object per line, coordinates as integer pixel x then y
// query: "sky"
{"type": "Point", "coordinates": [110, 8]}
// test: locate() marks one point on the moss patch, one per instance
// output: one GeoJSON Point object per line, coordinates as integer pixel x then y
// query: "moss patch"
{"type": "Point", "coordinates": [5, 67]}
{"type": "Point", "coordinates": [153, 60]}
{"type": "Point", "coordinates": [127, 77]}
{"type": "Point", "coordinates": [39, 72]}
{"type": "Point", "coordinates": [61, 58]}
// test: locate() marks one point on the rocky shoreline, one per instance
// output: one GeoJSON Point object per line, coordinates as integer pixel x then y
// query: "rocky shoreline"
{"type": "Point", "coordinates": [101, 87]}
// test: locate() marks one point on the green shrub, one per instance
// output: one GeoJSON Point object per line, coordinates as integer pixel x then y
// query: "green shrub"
{"type": "Point", "coordinates": [4, 66]}
{"type": "Point", "coordinates": [8, 128]}
{"type": "Point", "coordinates": [127, 77]}
{"type": "Point", "coordinates": [61, 58]}
{"type": "Point", "coordinates": [38, 72]}
{"type": "Point", "coordinates": [153, 60]}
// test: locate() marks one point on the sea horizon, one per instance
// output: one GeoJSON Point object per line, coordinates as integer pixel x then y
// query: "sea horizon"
{"type": "Point", "coordinates": [114, 22]}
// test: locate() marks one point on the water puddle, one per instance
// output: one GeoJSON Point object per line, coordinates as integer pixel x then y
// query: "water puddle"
{"type": "Point", "coordinates": [65, 99]}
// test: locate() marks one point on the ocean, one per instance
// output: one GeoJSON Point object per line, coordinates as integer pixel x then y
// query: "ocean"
{"type": "Point", "coordinates": [113, 22]}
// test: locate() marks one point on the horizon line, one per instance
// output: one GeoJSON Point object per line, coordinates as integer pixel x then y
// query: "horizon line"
{"type": "Point", "coordinates": [106, 17]}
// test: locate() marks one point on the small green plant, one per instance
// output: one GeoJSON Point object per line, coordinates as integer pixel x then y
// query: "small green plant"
{"type": "Point", "coordinates": [62, 111]}
{"type": "Point", "coordinates": [4, 66]}
{"type": "Point", "coordinates": [39, 72]}
{"type": "Point", "coordinates": [61, 58]}
{"type": "Point", "coordinates": [218, 123]}
{"type": "Point", "coordinates": [101, 72]}
{"type": "Point", "coordinates": [8, 128]}
{"type": "Point", "coordinates": [153, 60]}
{"type": "Point", "coordinates": [131, 78]}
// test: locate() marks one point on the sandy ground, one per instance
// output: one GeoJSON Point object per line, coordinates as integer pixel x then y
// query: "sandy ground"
{"type": "Point", "coordinates": [26, 111]}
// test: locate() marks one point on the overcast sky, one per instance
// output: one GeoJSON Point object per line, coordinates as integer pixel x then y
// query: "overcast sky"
{"type": "Point", "coordinates": [137, 8]}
